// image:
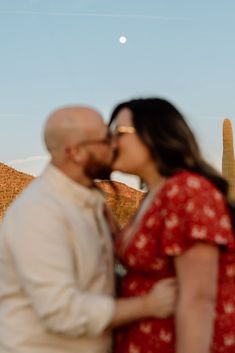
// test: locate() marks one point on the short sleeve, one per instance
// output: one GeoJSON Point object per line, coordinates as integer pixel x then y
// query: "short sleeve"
{"type": "Point", "coordinates": [193, 210]}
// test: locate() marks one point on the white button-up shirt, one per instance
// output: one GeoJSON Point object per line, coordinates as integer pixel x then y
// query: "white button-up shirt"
{"type": "Point", "coordinates": [56, 270]}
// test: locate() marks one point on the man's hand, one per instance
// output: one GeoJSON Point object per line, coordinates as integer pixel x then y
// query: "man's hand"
{"type": "Point", "coordinates": [161, 300]}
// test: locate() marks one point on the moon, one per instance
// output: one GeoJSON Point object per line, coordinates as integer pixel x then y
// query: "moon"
{"type": "Point", "coordinates": [123, 40]}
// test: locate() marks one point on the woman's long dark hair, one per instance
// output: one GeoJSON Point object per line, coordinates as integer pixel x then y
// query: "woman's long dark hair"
{"type": "Point", "coordinates": [170, 141]}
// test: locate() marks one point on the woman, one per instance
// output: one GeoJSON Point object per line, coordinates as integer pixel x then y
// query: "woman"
{"type": "Point", "coordinates": [184, 228]}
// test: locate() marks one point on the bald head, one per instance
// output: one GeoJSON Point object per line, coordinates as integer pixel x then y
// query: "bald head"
{"type": "Point", "coordinates": [71, 125]}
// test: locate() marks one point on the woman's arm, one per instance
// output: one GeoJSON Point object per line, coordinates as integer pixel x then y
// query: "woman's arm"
{"type": "Point", "coordinates": [197, 272]}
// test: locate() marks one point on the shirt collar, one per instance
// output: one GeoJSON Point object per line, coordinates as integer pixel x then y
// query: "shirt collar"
{"type": "Point", "coordinates": [68, 187]}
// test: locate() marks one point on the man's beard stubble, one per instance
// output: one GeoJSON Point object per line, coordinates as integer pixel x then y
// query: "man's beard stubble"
{"type": "Point", "coordinates": [97, 170]}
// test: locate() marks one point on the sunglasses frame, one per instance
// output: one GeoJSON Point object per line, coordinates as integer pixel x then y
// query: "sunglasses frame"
{"type": "Point", "coordinates": [106, 140]}
{"type": "Point", "coordinates": [122, 130]}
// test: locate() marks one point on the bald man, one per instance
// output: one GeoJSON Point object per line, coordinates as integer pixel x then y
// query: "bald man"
{"type": "Point", "coordinates": [56, 259]}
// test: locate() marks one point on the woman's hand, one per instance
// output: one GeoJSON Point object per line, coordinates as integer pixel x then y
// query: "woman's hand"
{"type": "Point", "coordinates": [161, 300]}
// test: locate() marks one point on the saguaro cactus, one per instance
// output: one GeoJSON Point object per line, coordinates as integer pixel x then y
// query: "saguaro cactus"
{"type": "Point", "coordinates": [228, 162]}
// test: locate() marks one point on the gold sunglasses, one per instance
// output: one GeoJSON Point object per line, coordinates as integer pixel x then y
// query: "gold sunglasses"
{"type": "Point", "coordinates": [121, 130]}
{"type": "Point", "coordinates": [105, 140]}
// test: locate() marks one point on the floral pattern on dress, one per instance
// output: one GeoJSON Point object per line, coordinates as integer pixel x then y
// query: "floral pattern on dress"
{"type": "Point", "coordinates": [187, 209]}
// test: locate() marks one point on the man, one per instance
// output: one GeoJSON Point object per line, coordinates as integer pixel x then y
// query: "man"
{"type": "Point", "coordinates": [56, 260]}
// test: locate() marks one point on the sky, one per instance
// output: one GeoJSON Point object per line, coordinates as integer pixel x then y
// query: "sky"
{"type": "Point", "coordinates": [61, 52]}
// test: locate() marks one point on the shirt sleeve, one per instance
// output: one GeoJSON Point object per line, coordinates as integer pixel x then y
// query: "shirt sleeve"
{"type": "Point", "coordinates": [37, 237]}
{"type": "Point", "coordinates": [194, 210]}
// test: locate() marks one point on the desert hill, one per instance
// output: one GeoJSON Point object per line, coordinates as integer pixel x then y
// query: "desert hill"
{"type": "Point", "coordinates": [122, 199]}
{"type": "Point", "coordinates": [12, 183]}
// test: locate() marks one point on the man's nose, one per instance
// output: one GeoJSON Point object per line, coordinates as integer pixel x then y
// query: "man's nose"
{"type": "Point", "coordinates": [114, 143]}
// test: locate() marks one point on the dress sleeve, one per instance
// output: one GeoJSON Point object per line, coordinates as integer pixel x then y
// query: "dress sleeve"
{"type": "Point", "coordinates": [194, 210]}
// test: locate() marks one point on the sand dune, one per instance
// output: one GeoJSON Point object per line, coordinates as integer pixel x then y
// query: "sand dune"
{"type": "Point", "coordinates": [122, 199]}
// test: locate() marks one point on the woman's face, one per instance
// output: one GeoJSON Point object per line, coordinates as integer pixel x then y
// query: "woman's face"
{"type": "Point", "coordinates": [132, 155]}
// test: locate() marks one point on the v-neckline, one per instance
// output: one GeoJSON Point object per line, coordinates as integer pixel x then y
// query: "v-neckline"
{"type": "Point", "coordinates": [128, 233]}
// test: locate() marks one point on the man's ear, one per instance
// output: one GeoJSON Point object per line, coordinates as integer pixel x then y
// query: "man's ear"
{"type": "Point", "coordinates": [75, 153]}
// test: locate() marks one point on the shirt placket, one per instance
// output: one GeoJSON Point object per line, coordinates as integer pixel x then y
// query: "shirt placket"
{"type": "Point", "coordinates": [106, 245]}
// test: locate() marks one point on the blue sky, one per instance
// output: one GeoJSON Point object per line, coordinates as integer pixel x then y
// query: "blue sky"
{"type": "Point", "coordinates": [59, 52]}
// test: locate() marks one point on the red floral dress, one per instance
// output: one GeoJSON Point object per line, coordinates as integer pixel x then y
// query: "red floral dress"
{"type": "Point", "coordinates": [187, 209]}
